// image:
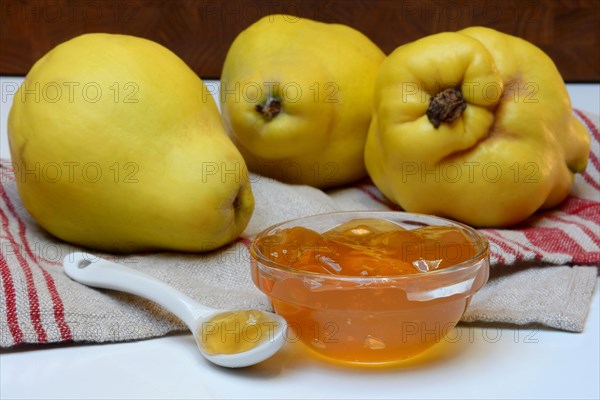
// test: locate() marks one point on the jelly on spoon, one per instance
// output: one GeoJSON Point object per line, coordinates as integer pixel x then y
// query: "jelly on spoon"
{"type": "Point", "coordinates": [267, 330]}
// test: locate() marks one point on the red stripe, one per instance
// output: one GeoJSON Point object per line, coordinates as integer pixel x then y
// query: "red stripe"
{"type": "Point", "coordinates": [588, 178]}
{"type": "Point", "coordinates": [496, 249]}
{"type": "Point", "coordinates": [521, 248]}
{"type": "Point", "coordinates": [583, 208]}
{"type": "Point", "coordinates": [583, 256]}
{"type": "Point", "coordinates": [537, 255]}
{"type": "Point", "coordinates": [592, 235]}
{"type": "Point", "coordinates": [7, 173]}
{"type": "Point", "coordinates": [34, 305]}
{"type": "Point", "coordinates": [22, 228]}
{"type": "Point", "coordinates": [593, 157]}
{"type": "Point", "coordinates": [555, 240]}
{"type": "Point", "coordinates": [501, 241]}
{"type": "Point", "coordinates": [22, 235]}
{"type": "Point", "coordinates": [57, 304]}
{"type": "Point", "coordinates": [590, 125]}
{"type": "Point", "coordinates": [59, 308]}
{"type": "Point", "coordinates": [11, 301]}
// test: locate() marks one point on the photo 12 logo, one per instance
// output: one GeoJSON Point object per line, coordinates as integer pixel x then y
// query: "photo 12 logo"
{"type": "Point", "coordinates": [71, 172]}
{"type": "Point", "coordinates": [71, 92]}
{"type": "Point", "coordinates": [286, 92]}
{"type": "Point", "coordinates": [517, 92]}
{"type": "Point", "coordinates": [470, 171]}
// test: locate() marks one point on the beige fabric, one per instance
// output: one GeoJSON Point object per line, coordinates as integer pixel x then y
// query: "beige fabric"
{"type": "Point", "coordinates": [557, 297]}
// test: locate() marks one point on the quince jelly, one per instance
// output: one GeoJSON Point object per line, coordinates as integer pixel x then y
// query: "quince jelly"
{"type": "Point", "coordinates": [368, 247]}
{"type": "Point", "coordinates": [367, 291]}
{"type": "Point", "coordinates": [233, 332]}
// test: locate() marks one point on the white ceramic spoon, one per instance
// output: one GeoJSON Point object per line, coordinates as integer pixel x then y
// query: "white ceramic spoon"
{"type": "Point", "coordinates": [93, 271]}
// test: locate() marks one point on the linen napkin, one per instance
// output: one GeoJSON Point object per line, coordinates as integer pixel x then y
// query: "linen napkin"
{"type": "Point", "coordinates": [544, 271]}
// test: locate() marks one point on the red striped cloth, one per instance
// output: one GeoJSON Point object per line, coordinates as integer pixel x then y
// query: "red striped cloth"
{"type": "Point", "coordinates": [40, 304]}
{"type": "Point", "coordinates": [39, 280]}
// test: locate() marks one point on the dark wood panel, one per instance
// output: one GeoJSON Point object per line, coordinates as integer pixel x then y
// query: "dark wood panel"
{"type": "Point", "coordinates": [200, 31]}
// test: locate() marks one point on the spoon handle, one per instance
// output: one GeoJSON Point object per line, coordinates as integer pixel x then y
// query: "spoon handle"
{"type": "Point", "coordinates": [97, 272]}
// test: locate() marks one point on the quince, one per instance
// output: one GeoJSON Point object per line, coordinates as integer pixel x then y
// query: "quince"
{"type": "Point", "coordinates": [296, 98]}
{"type": "Point", "coordinates": [117, 146]}
{"type": "Point", "coordinates": [474, 125]}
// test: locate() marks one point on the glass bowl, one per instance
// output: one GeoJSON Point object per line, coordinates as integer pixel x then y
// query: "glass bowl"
{"type": "Point", "coordinates": [370, 319]}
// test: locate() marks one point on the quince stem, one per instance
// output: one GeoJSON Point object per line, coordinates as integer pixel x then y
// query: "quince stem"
{"type": "Point", "coordinates": [445, 106]}
{"type": "Point", "coordinates": [270, 109]}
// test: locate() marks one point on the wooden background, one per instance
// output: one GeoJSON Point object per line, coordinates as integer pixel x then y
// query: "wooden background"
{"type": "Point", "coordinates": [200, 31]}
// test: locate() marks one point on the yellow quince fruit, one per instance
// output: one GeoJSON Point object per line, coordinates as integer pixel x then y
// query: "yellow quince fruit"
{"type": "Point", "coordinates": [296, 98]}
{"type": "Point", "coordinates": [117, 147]}
{"type": "Point", "coordinates": [474, 125]}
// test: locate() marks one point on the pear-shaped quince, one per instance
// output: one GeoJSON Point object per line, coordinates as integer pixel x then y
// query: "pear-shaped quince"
{"type": "Point", "coordinates": [117, 146]}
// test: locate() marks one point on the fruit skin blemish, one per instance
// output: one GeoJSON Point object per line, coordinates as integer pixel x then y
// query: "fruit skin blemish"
{"type": "Point", "coordinates": [376, 289]}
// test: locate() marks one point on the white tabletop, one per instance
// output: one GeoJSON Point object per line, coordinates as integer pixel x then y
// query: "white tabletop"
{"type": "Point", "coordinates": [474, 362]}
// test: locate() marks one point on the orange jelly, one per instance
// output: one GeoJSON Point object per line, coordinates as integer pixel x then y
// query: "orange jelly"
{"type": "Point", "coordinates": [367, 290]}
{"type": "Point", "coordinates": [369, 247]}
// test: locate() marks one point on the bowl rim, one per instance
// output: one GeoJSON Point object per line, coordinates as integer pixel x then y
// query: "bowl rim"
{"type": "Point", "coordinates": [483, 243]}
